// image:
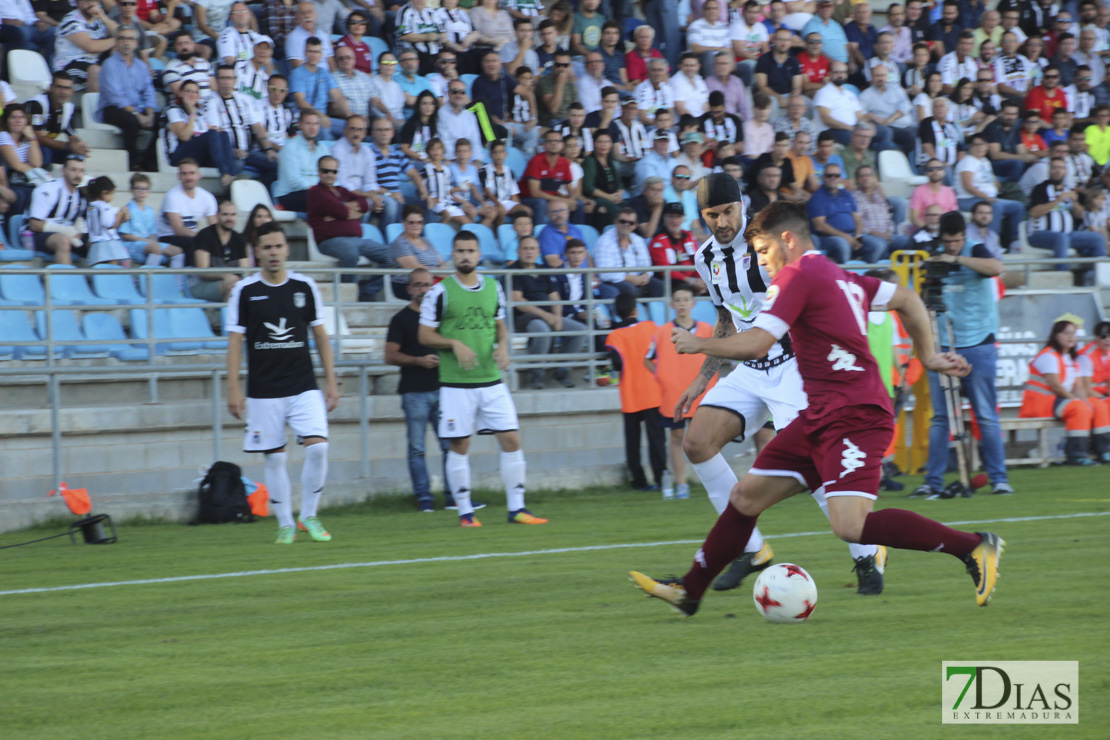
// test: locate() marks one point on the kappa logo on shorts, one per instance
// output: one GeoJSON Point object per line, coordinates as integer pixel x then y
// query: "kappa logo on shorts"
{"type": "Point", "coordinates": [256, 437]}
{"type": "Point", "coordinates": [842, 359]}
{"type": "Point", "coordinates": [450, 425]}
{"type": "Point", "coordinates": [852, 458]}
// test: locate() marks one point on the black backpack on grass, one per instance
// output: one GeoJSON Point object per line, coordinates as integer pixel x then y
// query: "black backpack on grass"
{"type": "Point", "coordinates": [222, 496]}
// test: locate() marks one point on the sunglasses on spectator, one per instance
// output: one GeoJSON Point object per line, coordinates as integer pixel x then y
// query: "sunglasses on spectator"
{"type": "Point", "coordinates": [420, 285]}
{"type": "Point", "coordinates": [446, 61]}
{"type": "Point", "coordinates": [1052, 77]}
{"type": "Point", "coordinates": [682, 177]}
{"type": "Point", "coordinates": [625, 222]}
{"type": "Point", "coordinates": [933, 169]}
{"type": "Point", "coordinates": [831, 175]}
{"type": "Point", "coordinates": [458, 92]}
{"type": "Point", "coordinates": [356, 22]}
{"type": "Point", "coordinates": [278, 89]}
{"type": "Point", "coordinates": [562, 65]}
{"type": "Point", "coordinates": [327, 171]}
{"type": "Point", "coordinates": [414, 221]}
{"type": "Point", "coordinates": [389, 62]}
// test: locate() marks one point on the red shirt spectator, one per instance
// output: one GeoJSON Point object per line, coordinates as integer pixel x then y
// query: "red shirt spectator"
{"type": "Point", "coordinates": [328, 215]}
{"type": "Point", "coordinates": [679, 249]}
{"type": "Point", "coordinates": [816, 70]}
{"type": "Point", "coordinates": [552, 171]}
{"type": "Point", "coordinates": [636, 65]}
{"type": "Point", "coordinates": [363, 57]}
{"type": "Point", "coordinates": [1045, 101]}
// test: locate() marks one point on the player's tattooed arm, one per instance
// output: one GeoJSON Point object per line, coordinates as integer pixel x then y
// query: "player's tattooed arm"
{"type": "Point", "coordinates": [724, 328]}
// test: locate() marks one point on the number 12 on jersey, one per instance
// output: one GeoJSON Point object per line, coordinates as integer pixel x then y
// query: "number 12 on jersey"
{"type": "Point", "coordinates": [856, 297]}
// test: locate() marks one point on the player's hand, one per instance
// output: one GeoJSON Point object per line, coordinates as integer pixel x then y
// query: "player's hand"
{"type": "Point", "coordinates": [949, 363]}
{"type": "Point", "coordinates": [236, 404]}
{"type": "Point", "coordinates": [428, 362]}
{"type": "Point", "coordinates": [685, 343]}
{"type": "Point", "coordinates": [686, 400]}
{"type": "Point", "coordinates": [466, 357]}
{"type": "Point", "coordinates": [331, 396]}
{"type": "Point", "coordinates": [501, 357]}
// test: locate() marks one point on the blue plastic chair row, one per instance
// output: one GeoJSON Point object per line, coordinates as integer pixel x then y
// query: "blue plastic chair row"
{"type": "Point", "coordinates": [106, 290]}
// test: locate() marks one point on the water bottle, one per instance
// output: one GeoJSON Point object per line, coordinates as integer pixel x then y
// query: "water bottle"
{"type": "Point", "coordinates": [668, 485]}
{"type": "Point", "coordinates": [27, 239]}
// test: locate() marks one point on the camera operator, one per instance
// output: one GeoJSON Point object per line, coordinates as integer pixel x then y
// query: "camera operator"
{"type": "Point", "coordinates": [958, 282]}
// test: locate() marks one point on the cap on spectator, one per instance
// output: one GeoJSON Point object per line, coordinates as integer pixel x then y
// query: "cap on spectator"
{"type": "Point", "coordinates": [824, 2]}
{"type": "Point", "coordinates": [693, 138]}
{"type": "Point", "coordinates": [673, 208]}
{"type": "Point", "coordinates": [661, 134]}
{"type": "Point", "coordinates": [629, 101]}
{"type": "Point", "coordinates": [261, 38]}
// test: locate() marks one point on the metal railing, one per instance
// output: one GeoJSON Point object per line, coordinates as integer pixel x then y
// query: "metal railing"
{"type": "Point", "coordinates": [53, 374]}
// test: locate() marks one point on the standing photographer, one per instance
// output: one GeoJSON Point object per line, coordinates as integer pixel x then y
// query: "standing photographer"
{"type": "Point", "coordinates": [958, 282]}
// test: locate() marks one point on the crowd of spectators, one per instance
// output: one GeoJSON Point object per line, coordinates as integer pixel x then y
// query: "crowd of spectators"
{"type": "Point", "coordinates": [599, 113]}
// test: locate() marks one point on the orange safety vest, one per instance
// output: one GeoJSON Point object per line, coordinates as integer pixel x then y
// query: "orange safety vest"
{"type": "Point", "coordinates": [639, 389]}
{"type": "Point", "coordinates": [903, 354]}
{"type": "Point", "coordinates": [1100, 361]}
{"type": "Point", "coordinates": [1039, 400]}
{"type": "Point", "coordinates": [676, 372]}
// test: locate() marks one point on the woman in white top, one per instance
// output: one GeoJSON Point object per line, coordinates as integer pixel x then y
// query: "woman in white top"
{"type": "Point", "coordinates": [975, 181]}
{"type": "Point", "coordinates": [20, 152]}
{"type": "Point", "coordinates": [494, 26]}
{"type": "Point", "coordinates": [191, 133]}
{"type": "Point", "coordinates": [923, 103]}
{"type": "Point", "coordinates": [461, 36]}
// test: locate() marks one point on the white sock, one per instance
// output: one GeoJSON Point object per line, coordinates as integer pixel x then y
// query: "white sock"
{"type": "Point", "coordinates": [458, 472]}
{"type": "Point", "coordinates": [313, 474]}
{"type": "Point", "coordinates": [857, 550]}
{"type": "Point", "coordinates": [755, 542]}
{"type": "Point", "coordinates": [717, 477]}
{"type": "Point", "coordinates": [177, 261]}
{"type": "Point", "coordinates": [154, 259]}
{"type": "Point", "coordinates": [512, 476]}
{"type": "Point", "coordinates": [276, 478]}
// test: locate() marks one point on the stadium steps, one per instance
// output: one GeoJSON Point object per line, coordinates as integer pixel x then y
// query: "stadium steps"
{"type": "Point", "coordinates": [107, 160]}
{"type": "Point", "coordinates": [97, 139]}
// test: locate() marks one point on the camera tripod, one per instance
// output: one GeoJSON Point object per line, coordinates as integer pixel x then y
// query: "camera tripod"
{"type": "Point", "coordinates": [950, 388]}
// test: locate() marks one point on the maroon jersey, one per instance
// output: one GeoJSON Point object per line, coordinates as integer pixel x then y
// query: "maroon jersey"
{"type": "Point", "coordinates": [825, 310]}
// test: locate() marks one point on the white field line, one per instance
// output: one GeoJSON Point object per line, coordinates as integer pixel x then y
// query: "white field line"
{"type": "Point", "coordinates": [480, 556]}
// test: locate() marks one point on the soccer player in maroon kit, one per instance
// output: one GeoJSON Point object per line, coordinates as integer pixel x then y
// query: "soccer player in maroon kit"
{"type": "Point", "coordinates": [837, 443]}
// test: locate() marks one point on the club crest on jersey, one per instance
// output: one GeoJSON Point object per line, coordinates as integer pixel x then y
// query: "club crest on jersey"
{"type": "Point", "coordinates": [716, 272]}
{"type": "Point", "coordinates": [746, 262]}
{"type": "Point", "coordinates": [298, 300]}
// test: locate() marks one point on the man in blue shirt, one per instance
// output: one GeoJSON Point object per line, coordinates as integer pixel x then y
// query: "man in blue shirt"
{"type": "Point", "coordinates": [554, 237]}
{"type": "Point", "coordinates": [411, 83]}
{"type": "Point", "coordinates": [835, 42]}
{"type": "Point", "coordinates": [312, 87]}
{"type": "Point", "coordinates": [836, 223]}
{"type": "Point", "coordinates": [297, 171]}
{"type": "Point", "coordinates": [494, 88]}
{"type": "Point", "coordinates": [127, 99]}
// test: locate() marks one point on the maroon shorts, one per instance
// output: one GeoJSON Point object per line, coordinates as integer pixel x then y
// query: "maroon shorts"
{"type": "Point", "coordinates": [842, 453]}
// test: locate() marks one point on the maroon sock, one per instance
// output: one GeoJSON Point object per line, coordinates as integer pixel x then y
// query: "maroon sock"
{"type": "Point", "coordinates": [909, 531]}
{"type": "Point", "coordinates": [724, 544]}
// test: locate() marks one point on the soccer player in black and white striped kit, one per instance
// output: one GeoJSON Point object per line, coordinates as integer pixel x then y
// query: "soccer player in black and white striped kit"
{"type": "Point", "coordinates": [754, 391]}
{"type": "Point", "coordinates": [273, 312]}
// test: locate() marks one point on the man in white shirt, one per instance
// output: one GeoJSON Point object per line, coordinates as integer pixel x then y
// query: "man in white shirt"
{"type": "Point", "coordinates": [839, 110]}
{"type": "Point", "coordinates": [750, 40]}
{"type": "Point", "coordinates": [186, 209]}
{"type": "Point", "coordinates": [1087, 55]}
{"type": "Point", "coordinates": [708, 35]}
{"type": "Point", "coordinates": [1080, 97]}
{"type": "Point", "coordinates": [236, 42]}
{"type": "Point", "coordinates": [358, 168]}
{"type": "Point", "coordinates": [455, 122]}
{"type": "Point", "coordinates": [1012, 71]}
{"type": "Point", "coordinates": [306, 29]}
{"type": "Point", "coordinates": [691, 96]}
{"type": "Point", "coordinates": [591, 83]}
{"type": "Point", "coordinates": [54, 210]}
{"type": "Point", "coordinates": [254, 73]}
{"type": "Point", "coordinates": [655, 92]}
{"type": "Point", "coordinates": [623, 250]}
{"type": "Point", "coordinates": [960, 63]}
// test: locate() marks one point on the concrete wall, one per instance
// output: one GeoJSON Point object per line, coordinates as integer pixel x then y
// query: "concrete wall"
{"type": "Point", "coordinates": [143, 459]}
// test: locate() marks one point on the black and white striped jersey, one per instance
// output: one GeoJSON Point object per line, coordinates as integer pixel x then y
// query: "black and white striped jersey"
{"type": "Point", "coordinates": [53, 201]}
{"type": "Point", "coordinates": [737, 282]}
{"type": "Point", "coordinates": [632, 138]}
{"type": "Point", "coordinates": [503, 186]}
{"type": "Point", "coordinates": [1059, 218]}
{"type": "Point", "coordinates": [278, 122]}
{"type": "Point", "coordinates": [235, 115]}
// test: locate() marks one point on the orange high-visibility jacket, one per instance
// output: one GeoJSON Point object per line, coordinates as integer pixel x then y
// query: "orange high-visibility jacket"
{"type": "Point", "coordinates": [639, 389]}
{"type": "Point", "coordinates": [1039, 400]}
{"type": "Point", "coordinates": [1100, 361]}
{"type": "Point", "coordinates": [676, 372]}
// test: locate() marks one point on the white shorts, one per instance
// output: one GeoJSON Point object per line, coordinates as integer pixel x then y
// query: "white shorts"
{"type": "Point", "coordinates": [756, 395]}
{"type": "Point", "coordinates": [486, 410]}
{"type": "Point", "coordinates": [305, 414]}
{"type": "Point", "coordinates": [448, 210]}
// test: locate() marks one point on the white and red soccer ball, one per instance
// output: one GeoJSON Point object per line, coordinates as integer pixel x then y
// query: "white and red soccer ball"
{"type": "Point", "coordinates": [785, 594]}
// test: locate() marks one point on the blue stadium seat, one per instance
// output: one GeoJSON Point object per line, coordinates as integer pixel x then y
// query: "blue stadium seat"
{"type": "Point", "coordinates": [193, 322]}
{"type": "Point", "coordinates": [13, 251]}
{"type": "Point", "coordinates": [658, 312]}
{"type": "Point", "coordinates": [15, 228]}
{"type": "Point", "coordinates": [440, 236]}
{"type": "Point", "coordinates": [517, 161]}
{"type": "Point", "coordinates": [66, 329]}
{"type": "Point", "coordinates": [26, 290]}
{"type": "Point", "coordinates": [106, 327]}
{"type": "Point", "coordinates": [392, 231]}
{"type": "Point", "coordinates": [491, 250]}
{"type": "Point", "coordinates": [705, 311]}
{"type": "Point", "coordinates": [469, 80]}
{"type": "Point", "coordinates": [164, 287]}
{"type": "Point", "coordinates": [590, 236]}
{"type": "Point", "coordinates": [73, 290]}
{"type": "Point", "coordinates": [370, 231]}
{"type": "Point", "coordinates": [119, 288]}
{"type": "Point", "coordinates": [377, 46]}
{"type": "Point", "coordinates": [163, 330]}
{"type": "Point", "coordinates": [16, 327]}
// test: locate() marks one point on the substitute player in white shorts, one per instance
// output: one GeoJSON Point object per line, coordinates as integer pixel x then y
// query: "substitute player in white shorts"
{"type": "Point", "coordinates": [741, 402]}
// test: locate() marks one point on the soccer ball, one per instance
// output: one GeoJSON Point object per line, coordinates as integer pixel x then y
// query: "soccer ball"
{"type": "Point", "coordinates": [785, 594]}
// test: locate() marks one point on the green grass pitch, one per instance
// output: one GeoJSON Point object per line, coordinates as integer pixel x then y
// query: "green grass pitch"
{"type": "Point", "coordinates": [543, 645]}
